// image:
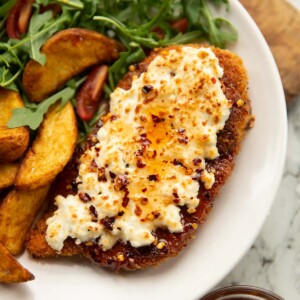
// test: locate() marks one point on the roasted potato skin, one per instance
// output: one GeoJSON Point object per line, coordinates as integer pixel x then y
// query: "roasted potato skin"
{"type": "Point", "coordinates": [11, 271]}
{"type": "Point", "coordinates": [51, 150]}
{"type": "Point", "coordinates": [17, 213]}
{"type": "Point", "coordinates": [7, 174]}
{"type": "Point", "coordinates": [68, 53]}
{"type": "Point", "coordinates": [13, 141]}
{"type": "Point", "coordinates": [8, 101]}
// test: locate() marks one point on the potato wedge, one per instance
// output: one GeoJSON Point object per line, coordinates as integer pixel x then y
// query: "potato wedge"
{"type": "Point", "coordinates": [17, 213]}
{"type": "Point", "coordinates": [7, 174]}
{"type": "Point", "coordinates": [8, 101]}
{"type": "Point", "coordinates": [50, 151]}
{"type": "Point", "coordinates": [68, 53]}
{"type": "Point", "coordinates": [13, 142]}
{"type": "Point", "coordinates": [11, 271]}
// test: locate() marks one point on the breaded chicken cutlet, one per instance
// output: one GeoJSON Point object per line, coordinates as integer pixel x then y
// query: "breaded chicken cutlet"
{"type": "Point", "coordinates": [150, 173]}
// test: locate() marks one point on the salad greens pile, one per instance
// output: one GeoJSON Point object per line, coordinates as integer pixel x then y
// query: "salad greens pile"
{"type": "Point", "coordinates": [140, 25]}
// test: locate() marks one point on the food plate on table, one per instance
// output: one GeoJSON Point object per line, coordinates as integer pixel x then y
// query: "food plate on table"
{"type": "Point", "coordinates": [232, 225]}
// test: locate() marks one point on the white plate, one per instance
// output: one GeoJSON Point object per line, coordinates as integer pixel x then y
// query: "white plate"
{"type": "Point", "coordinates": [232, 226]}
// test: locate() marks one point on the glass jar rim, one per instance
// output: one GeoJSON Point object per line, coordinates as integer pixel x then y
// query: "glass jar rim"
{"type": "Point", "coordinates": [242, 290]}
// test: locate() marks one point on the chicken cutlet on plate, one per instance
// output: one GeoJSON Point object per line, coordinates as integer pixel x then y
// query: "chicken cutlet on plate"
{"type": "Point", "coordinates": [151, 170]}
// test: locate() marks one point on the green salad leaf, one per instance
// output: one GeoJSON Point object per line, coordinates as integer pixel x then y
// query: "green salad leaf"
{"type": "Point", "coordinates": [32, 115]}
{"type": "Point", "coordinates": [5, 7]}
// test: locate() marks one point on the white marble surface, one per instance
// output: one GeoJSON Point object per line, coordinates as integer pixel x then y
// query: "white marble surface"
{"type": "Point", "coordinates": [273, 262]}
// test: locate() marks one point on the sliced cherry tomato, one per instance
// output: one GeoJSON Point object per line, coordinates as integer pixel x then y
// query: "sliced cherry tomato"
{"type": "Point", "coordinates": [25, 15]}
{"type": "Point", "coordinates": [88, 98]}
{"type": "Point", "coordinates": [12, 21]}
{"type": "Point", "coordinates": [18, 18]}
{"type": "Point", "coordinates": [159, 32]}
{"type": "Point", "coordinates": [180, 25]}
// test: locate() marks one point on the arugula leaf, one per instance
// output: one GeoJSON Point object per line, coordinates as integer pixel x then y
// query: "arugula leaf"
{"type": "Point", "coordinates": [76, 4]}
{"type": "Point", "coordinates": [120, 67]}
{"type": "Point", "coordinates": [5, 8]}
{"type": "Point", "coordinates": [33, 115]}
{"type": "Point", "coordinates": [37, 22]}
{"type": "Point", "coordinates": [192, 12]}
{"type": "Point", "coordinates": [183, 38]}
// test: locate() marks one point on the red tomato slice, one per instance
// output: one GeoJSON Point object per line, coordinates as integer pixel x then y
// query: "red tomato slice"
{"type": "Point", "coordinates": [18, 18]}
{"type": "Point", "coordinates": [12, 21]}
{"type": "Point", "coordinates": [180, 25]}
{"type": "Point", "coordinates": [90, 93]}
{"type": "Point", "coordinates": [25, 15]}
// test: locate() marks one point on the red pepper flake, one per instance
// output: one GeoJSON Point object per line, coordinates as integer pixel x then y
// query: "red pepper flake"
{"type": "Point", "coordinates": [208, 110]}
{"type": "Point", "coordinates": [139, 152]}
{"type": "Point", "coordinates": [144, 141]}
{"type": "Point", "coordinates": [137, 108]}
{"type": "Point", "coordinates": [138, 211]}
{"type": "Point", "coordinates": [171, 116]}
{"type": "Point", "coordinates": [93, 164]}
{"type": "Point", "coordinates": [172, 74]}
{"type": "Point", "coordinates": [181, 130]}
{"type": "Point", "coordinates": [140, 164]}
{"type": "Point", "coordinates": [144, 201]}
{"type": "Point", "coordinates": [151, 154]}
{"type": "Point", "coordinates": [108, 223]}
{"type": "Point", "coordinates": [156, 214]}
{"type": "Point", "coordinates": [176, 200]}
{"type": "Point", "coordinates": [150, 96]}
{"type": "Point", "coordinates": [125, 199]}
{"type": "Point", "coordinates": [183, 140]}
{"type": "Point", "coordinates": [143, 118]}
{"type": "Point", "coordinates": [113, 118]}
{"type": "Point", "coordinates": [157, 119]}
{"type": "Point", "coordinates": [84, 197]}
{"type": "Point", "coordinates": [112, 175]}
{"type": "Point", "coordinates": [153, 177]}
{"type": "Point", "coordinates": [197, 161]}
{"type": "Point", "coordinates": [120, 182]}
{"type": "Point", "coordinates": [101, 175]}
{"type": "Point", "coordinates": [147, 88]}
{"type": "Point", "coordinates": [93, 212]}
{"type": "Point", "coordinates": [176, 162]}
{"type": "Point", "coordinates": [144, 190]}
{"type": "Point", "coordinates": [213, 80]}
{"type": "Point", "coordinates": [121, 213]}
{"type": "Point", "coordinates": [175, 195]}
{"type": "Point", "coordinates": [196, 177]}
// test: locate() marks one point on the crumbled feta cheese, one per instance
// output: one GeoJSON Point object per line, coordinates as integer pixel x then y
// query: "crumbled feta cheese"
{"type": "Point", "coordinates": [150, 154]}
